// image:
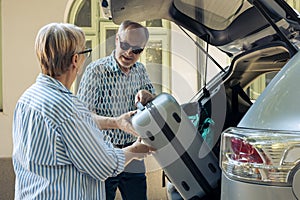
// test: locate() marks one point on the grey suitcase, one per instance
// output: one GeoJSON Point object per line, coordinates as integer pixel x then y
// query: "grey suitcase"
{"type": "Point", "coordinates": [181, 152]}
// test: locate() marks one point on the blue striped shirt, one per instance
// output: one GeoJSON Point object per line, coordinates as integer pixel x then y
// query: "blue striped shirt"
{"type": "Point", "coordinates": [59, 152]}
{"type": "Point", "coordinates": [107, 91]}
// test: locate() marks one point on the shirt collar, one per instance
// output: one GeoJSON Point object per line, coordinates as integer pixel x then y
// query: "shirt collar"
{"type": "Point", "coordinates": [52, 82]}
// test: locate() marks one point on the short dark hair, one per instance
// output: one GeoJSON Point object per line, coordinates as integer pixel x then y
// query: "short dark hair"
{"type": "Point", "coordinates": [128, 25]}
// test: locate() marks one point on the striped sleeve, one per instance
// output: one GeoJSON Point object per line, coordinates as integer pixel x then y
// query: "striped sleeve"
{"type": "Point", "coordinates": [87, 150]}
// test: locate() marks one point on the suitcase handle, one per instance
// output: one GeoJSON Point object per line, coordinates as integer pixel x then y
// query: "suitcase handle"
{"type": "Point", "coordinates": [140, 106]}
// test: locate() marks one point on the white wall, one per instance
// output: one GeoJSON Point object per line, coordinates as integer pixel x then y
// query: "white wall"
{"type": "Point", "coordinates": [21, 21]}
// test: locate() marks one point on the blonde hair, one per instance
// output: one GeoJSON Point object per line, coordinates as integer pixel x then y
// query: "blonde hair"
{"type": "Point", "coordinates": [55, 45]}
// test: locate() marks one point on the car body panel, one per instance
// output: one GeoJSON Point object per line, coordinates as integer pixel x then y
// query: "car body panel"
{"type": "Point", "coordinates": [275, 108]}
{"type": "Point", "coordinates": [237, 190]}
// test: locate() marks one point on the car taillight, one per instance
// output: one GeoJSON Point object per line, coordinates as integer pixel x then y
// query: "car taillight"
{"type": "Point", "coordinates": [262, 156]}
{"type": "Point", "coordinates": [244, 152]}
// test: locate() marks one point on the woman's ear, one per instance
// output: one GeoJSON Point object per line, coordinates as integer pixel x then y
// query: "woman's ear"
{"type": "Point", "coordinates": [75, 59]}
{"type": "Point", "coordinates": [74, 65]}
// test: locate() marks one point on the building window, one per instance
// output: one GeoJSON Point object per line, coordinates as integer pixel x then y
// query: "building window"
{"type": "Point", "coordinates": [154, 63]}
{"type": "Point", "coordinates": [83, 15]}
{"type": "Point", "coordinates": [259, 84]}
{"type": "Point", "coordinates": [294, 4]}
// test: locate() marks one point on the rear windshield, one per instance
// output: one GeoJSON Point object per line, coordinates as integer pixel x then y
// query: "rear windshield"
{"type": "Point", "coordinates": [215, 14]}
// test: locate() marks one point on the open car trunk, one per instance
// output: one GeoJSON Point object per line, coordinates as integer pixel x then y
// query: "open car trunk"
{"type": "Point", "coordinates": [259, 37]}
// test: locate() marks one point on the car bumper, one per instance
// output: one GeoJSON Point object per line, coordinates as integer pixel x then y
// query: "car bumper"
{"type": "Point", "coordinates": [237, 190]}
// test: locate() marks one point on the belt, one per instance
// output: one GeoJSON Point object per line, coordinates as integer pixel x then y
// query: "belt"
{"type": "Point", "coordinates": [121, 146]}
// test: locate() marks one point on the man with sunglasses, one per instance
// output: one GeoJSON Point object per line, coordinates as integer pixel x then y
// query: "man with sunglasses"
{"type": "Point", "coordinates": [111, 86]}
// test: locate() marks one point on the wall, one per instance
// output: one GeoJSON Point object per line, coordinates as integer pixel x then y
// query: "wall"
{"type": "Point", "coordinates": [21, 21]}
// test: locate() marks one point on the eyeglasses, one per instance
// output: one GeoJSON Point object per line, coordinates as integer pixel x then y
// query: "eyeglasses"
{"type": "Point", "coordinates": [88, 52]}
{"type": "Point", "coordinates": [134, 49]}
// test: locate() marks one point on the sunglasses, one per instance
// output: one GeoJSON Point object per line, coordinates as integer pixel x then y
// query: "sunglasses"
{"type": "Point", "coordinates": [134, 49]}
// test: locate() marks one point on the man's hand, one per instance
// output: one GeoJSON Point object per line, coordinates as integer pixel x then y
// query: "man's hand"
{"type": "Point", "coordinates": [143, 96]}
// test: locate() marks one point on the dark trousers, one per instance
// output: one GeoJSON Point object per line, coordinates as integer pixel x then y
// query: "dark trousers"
{"type": "Point", "coordinates": [131, 185]}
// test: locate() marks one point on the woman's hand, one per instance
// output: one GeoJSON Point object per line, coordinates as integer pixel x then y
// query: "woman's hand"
{"type": "Point", "coordinates": [137, 151]}
{"type": "Point", "coordinates": [124, 123]}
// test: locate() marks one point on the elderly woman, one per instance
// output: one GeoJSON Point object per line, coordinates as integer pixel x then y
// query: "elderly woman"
{"type": "Point", "coordinates": [59, 151]}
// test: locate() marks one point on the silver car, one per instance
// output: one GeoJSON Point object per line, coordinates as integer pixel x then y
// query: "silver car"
{"type": "Point", "coordinates": [249, 115]}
